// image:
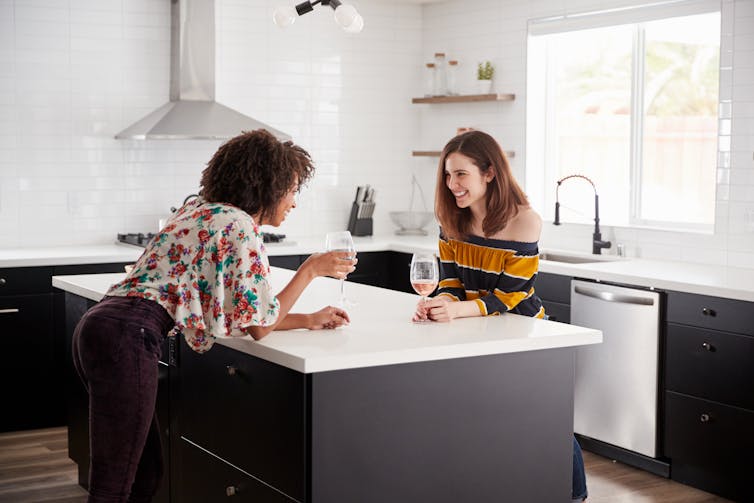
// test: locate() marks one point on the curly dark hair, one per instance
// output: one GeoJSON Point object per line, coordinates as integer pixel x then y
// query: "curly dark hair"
{"type": "Point", "coordinates": [254, 171]}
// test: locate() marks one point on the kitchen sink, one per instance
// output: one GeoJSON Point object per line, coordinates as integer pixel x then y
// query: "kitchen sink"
{"type": "Point", "coordinates": [575, 259]}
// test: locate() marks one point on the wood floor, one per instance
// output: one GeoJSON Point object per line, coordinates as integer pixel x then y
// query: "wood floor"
{"type": "Point", "coordinates": [34, 467]}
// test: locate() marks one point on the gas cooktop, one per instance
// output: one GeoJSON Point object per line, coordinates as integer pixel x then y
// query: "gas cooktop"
{"type": "Point", "coordinates": [139, 239]}
{"type": "Point", "coordinates": [142, 239]}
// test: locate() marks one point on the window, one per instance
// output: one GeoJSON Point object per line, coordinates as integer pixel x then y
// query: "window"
{"type": "Point", "coordinates": [631, 105]}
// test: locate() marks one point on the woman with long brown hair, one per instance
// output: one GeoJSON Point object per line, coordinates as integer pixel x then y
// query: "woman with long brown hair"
{"type": "Point", "coordinates": [489, 235]}
{"type": "Point", "coordinates": [489, 244]}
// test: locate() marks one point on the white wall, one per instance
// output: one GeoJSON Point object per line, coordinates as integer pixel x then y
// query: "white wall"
{"type": "Point", "coordinates": [497, 29]}
{"type": "Point", "coordinates": [73, 73]}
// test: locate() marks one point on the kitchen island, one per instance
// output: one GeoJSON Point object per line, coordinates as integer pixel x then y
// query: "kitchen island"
{"type": "Point", "coordinates": [479, 409]}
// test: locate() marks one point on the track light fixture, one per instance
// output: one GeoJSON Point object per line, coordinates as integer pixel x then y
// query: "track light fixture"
{"type": "Point", "coordinates": [345, 15]}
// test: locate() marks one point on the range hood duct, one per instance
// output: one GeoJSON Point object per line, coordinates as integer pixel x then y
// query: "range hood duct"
{"type": "Point", "coordinates": [193, 113]}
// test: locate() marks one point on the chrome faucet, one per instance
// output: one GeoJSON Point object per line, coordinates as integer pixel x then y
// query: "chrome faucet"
{"type": "Point", "coordinates": [597, 243]}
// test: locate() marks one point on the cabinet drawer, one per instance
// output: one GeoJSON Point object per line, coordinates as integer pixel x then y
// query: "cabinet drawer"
{"type": "Point", "coordinates": [247, 411]}
{"type": "Point", "coordinates": [711, 312]}
{"type": "Point", "coordinates": [25, 280]}
{"type": "Point", "coordinates": [714, 365]}
{"type": "Point", "coordinates": [711, 446]}
{"type": "Point", "coordinates": [211, 480]}
{"type": "Point", "coordinates": [553, 287]}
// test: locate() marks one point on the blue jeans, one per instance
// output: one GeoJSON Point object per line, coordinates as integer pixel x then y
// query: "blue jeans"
{"type": "Point", "coordinates": [578, 489]}
{"type": "Point", "coordinates": [116, 348]}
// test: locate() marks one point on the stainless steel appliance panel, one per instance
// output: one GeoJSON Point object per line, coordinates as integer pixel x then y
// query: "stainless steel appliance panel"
{"type": "Point", "coordinates": [616, 381]}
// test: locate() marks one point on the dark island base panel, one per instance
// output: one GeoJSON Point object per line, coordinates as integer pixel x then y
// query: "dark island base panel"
{"type": "Point", "coordinates": [492, 428]}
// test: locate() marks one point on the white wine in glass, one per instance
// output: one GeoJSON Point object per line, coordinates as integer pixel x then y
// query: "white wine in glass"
{"type": "Point", "coordinates": [424, 274]}
{"type": "Point", "coordinates": [341, 241]}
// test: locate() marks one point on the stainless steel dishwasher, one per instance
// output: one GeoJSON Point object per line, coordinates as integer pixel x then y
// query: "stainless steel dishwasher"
{"type": "Point", "coordinates": [616, 382]}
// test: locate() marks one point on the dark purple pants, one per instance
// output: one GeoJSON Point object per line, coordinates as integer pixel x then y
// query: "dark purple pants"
{"type": "Point", "coordinates": [116, 348]}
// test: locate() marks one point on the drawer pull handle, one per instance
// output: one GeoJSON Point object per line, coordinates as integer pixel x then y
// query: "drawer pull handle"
{"type": "Point", "coordinates": [231, 491]}
{"type": "Point", "coordinates": [709, 312]}
{"type": "Point", "coordinates": [709, 347]}
{"type": "Point", "coordinates": [231, 370]}
{"type": "Point", "coordinates": [2, 281]}
{"type": "Point", "coordinates": [704, 418]}
{"type": "Point", "coordinates": [9, 311]}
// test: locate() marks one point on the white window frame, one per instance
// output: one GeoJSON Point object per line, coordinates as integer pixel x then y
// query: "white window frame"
{"type": "Point", "coordinates": [540, 171]}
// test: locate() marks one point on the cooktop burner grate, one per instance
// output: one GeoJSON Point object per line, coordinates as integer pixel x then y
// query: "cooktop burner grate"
{"type": "Point", "coordinates": [138, 239]}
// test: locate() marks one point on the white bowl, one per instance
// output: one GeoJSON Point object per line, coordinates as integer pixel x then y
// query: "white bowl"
{"type": "Point", "coordinates": [411, 222]}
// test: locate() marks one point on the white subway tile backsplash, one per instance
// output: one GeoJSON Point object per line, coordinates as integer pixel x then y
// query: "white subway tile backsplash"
{"type": "Point", "coordinates": [344, 98]}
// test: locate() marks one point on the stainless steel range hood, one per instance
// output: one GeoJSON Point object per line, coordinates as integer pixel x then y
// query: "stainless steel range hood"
{"type": "Point", "coordinates": [192, 112]}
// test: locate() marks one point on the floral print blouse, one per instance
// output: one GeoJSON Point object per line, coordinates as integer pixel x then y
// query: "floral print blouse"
{"type": "Point", "coordinates": [208, 268]}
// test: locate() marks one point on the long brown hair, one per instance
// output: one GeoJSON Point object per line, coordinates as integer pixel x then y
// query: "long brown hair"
{"type": "Point", "coordinates": [254, 171]}
{"type": "Point", "coordinates": [503, 197]}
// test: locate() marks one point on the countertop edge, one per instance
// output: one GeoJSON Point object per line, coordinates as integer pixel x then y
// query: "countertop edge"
{"type": "Point", "coordinates": [337, 362]}
{"type": "Point", "coordinates": [716, 281]}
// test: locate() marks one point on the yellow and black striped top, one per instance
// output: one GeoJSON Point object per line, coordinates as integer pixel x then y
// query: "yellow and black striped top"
{"type": "Point", "coordinates": [499, 275]}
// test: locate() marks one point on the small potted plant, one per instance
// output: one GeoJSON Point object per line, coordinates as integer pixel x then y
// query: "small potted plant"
{"type": "Point", "coordinates": [484, 73]}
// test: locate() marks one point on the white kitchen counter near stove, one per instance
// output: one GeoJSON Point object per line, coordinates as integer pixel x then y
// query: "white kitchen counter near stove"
{"type": "Point", "coordinates": [716, 281]}
{"type": "Point", "coordinates": [380, 332]}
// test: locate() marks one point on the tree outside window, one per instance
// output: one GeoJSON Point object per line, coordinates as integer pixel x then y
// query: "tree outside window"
{"type": "Point", "coordinates": [634, 108]}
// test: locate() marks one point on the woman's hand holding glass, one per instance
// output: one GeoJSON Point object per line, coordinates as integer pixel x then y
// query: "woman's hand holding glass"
{"type": "Point", "coordinates": [342, 242]}
{"type": "Point", "coordinates": [424, 277]}
{"type": "Point", "coordinates": [335, 264]}
{"type": "Point", "coordinates": [439, 308]}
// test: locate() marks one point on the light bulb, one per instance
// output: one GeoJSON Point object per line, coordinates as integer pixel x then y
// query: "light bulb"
{"type": "Point", "coordinates": [284, 15]}
{"type": "Point", "coordinates": [345, 15]}
{"type": "Point", "coordinates": [356, 26]}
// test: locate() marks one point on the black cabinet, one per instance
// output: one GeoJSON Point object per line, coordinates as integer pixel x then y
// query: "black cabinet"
{"type": "Point", "coordinates": [31, 363]}
{"type": "Point", "coordinates": [555, 292]}
{"type": "Point", "coordinates": [287, 261]}
{"type": "Point", "coordinates": [258, 410]}
{"type": "Point", "coordinates": [382, 269]}
{"type": "Point", "coordinates": [399, 268]}
{"type": "Point", "coordinates": [212, 479]}
{"type": "Point", "coordinates": [28, 363]}
{"type": "Point", "coordinates": [709, 393]}
{"type": "Point", "coordinates": [711, 445]}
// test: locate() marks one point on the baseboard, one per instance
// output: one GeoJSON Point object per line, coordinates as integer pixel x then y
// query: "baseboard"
{"type": "Point", "coordinates": [651, 465]}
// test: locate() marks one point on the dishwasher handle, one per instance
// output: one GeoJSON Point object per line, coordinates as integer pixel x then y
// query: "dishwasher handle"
{"type": "Point", "coordinates": [614, 297]}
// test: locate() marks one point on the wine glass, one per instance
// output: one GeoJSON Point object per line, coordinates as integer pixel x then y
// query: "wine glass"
{"type": "Point", "coordinates": [424, 274]}
{"type": "Point", "coordinates": [341, 241]}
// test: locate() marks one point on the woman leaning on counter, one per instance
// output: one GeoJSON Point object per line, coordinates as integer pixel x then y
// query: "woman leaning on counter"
{"type": "Point", "coordinates": [205, 275]}
{"type": "Point", "coordinates": [489, 254]}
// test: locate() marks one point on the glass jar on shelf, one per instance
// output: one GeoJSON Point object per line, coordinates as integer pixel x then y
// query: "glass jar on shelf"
{"type": "Point", "coordinates": [452, 77]}
{"type": "Point", "coordinates": [441, 77]}
{"type": "Point", "coordinates": [429, 80]}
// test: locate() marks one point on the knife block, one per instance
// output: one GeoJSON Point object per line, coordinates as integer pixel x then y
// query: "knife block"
{"type": "Point", "coordinates": [359, 226]}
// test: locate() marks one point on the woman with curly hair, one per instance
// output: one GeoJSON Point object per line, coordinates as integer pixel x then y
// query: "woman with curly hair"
{"type": "Point", "coordinates": [204, 275]}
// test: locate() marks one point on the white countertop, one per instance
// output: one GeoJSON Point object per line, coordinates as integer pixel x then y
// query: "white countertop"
{"type": "Point", "coordinates": [119, 252]}
{"type": "Point", "coordinates": [68, 255]}
{"type": "Point", "coordinates": [716, 281]}
{"type": "Point", "coordinates": [380, 332]}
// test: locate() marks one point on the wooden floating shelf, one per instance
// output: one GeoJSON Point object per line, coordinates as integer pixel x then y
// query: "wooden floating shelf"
{"type": "Point", "coordinates": [436, 153]}
{"type": "Point", "coordinates": [468, 98]}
